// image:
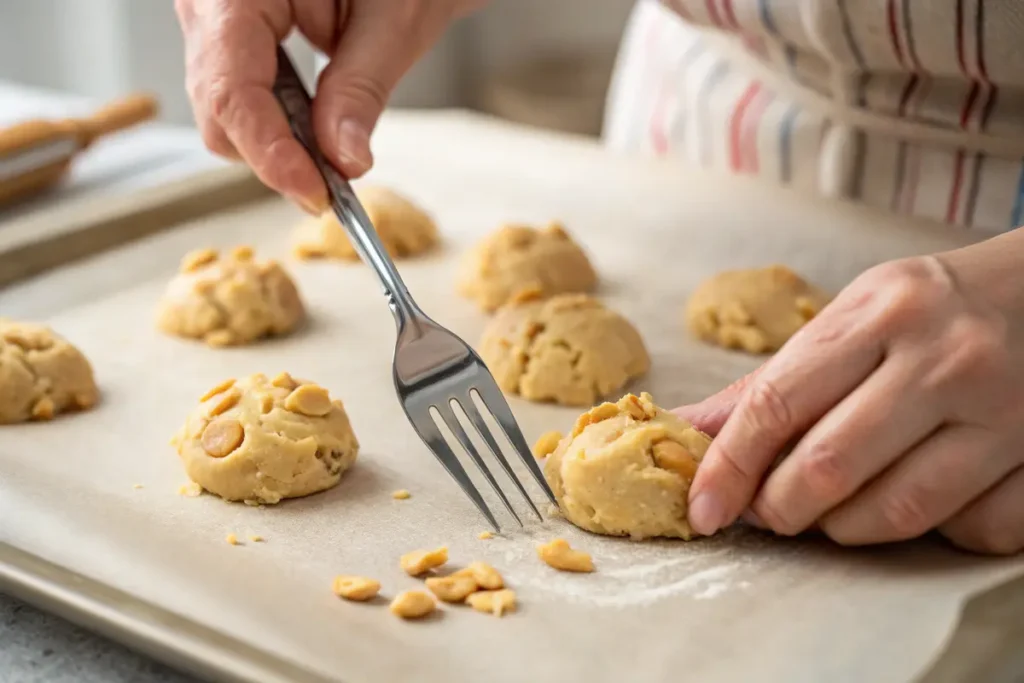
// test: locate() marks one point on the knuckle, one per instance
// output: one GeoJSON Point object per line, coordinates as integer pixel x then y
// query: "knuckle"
{"type": "Point", "coordinates": [825, 472]}
{"type": "Point", "coordinates": [774, 518]}
{"type": "Point", "coordinates": [221, 98]}
{"type": "Point", "coordinates": [730, 466]}
{"type": "Point", "coordinates": [987, 538]}
{"type": "Point", "coordinates": [905, 515]}
{"type": "Point", "coordinates": [363, 88]}
{"type": "Point", "coordinates": [767, 409]}
{"type": "Point", "coordinates": [974, 350]}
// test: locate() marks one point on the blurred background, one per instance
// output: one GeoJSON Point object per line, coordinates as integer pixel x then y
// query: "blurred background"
{"type": "Point", "coordinates": [541, 62]}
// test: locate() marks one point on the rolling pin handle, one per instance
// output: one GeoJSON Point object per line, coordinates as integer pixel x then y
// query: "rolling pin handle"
{"type": "Point", "coordinates": [123, 113]}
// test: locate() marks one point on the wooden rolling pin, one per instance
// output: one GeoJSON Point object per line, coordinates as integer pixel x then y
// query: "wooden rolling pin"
{"type": "Point", "coordinates": [35, 155]}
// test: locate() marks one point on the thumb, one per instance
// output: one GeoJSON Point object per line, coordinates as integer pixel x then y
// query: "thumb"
{"type": "Point", "coordinates": [710, 415]}
{"type": "Point", "coordinates": [375, 51]}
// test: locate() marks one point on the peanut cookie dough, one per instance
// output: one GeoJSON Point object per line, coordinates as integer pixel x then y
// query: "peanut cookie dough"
{"type": "Point", "coordinates": [403, 228]}
{"type": "Point", "coordinates": [569, 349]}
{"type": "Point", "coordinates": [518, 259]}
{"type": "Point", "coordinates": [626, 470]}
{"type": "Point", "coordinates": [260, 440]}
{"type": "Point", "coordinates": [229, 300]}
{"type": "Point", "coordinates": [755, 310]}
{"type": "Point", "coordinates": [41, 374]}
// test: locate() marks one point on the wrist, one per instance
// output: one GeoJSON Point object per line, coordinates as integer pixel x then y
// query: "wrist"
{"type": "Point", "coordinates": [992, 270]}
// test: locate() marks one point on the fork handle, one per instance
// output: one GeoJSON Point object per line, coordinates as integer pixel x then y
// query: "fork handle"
{"type": "Point", "coordinates": [295, 100]}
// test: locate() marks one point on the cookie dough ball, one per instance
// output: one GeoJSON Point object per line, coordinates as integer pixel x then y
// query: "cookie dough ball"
{"type": "Point", "coordinates": [229, 300]}
{"type": "Point", "coordinates": [403, 228]}
{"type": "Point", "coordinates": [41, 374]}
{"type": "Point", "coordinates": [518, 260]}
{"type": "Point", "coordinates": [754, 310]}
{"type": "Point", "coordinates": [569, 349]}
{"type": "Point", "coordinates": [626, 470]}
{"type": "Point", "coordinates": [260, 440]}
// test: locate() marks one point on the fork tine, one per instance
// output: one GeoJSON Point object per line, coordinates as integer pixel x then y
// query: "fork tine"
{"type": "Point", "coordinates": [430, 434]}
{"type": "Point", "coordinates": [473, 413]}
{"type": "Point", "coordinates": [495, 402]}
{"type": "Point", "coordinates": [452, 421]}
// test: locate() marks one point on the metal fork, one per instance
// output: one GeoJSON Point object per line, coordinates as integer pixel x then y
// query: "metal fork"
{"type": "Point", "coordinates": [433, 368]}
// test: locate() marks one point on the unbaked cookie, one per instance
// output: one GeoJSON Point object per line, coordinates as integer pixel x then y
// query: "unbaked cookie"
{"type": "Point", "coordinates": [569, 349]}
{"type": "Point", "coordinates": [403, 228]}
{"type": "Point", "coordinates": [41, 374]}
{"type": "Point", "coordinates": [626, 470]}
{"type": "Point", "coordinates": [261, 440]}
{"type": "Point", "coordinates": [518, 259]}
{"type": "Point", "coordinates": [755, 310]}
{"type": "Point", "coordinates": [229, 300]}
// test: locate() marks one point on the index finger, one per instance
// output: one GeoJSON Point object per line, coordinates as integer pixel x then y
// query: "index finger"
{"type": "Point", "coordinates": [811, 374]}
{"type": "Point", "coordinates": [233, 63]}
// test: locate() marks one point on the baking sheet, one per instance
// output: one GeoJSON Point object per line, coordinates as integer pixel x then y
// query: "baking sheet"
{"type": "Point", "coordinates": [738, 607]}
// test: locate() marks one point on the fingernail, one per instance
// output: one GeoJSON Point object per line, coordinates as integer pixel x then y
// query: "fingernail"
{"type": "Point", "coordinates": [753, 520]}
{"type": "Point", "coordinates": [354, 146]}
{"type": "Point", "coordinates": [707, 513]}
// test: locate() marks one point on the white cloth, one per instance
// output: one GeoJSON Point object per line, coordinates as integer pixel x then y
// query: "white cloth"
{"type": "Point", "coordinates": [912, 106]}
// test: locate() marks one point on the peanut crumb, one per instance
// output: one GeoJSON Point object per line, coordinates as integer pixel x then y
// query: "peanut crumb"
{"type": "Point", "coordinates": [401, 494]}
{"type": "Point", "coordinates": [232, 539]}
{"type": "Point", "coordinates": [412, 605]}
{"type": "Point", "coordinates": [486, 535]}
{"type": "Point", "coordinates": [493, 602]}
{"type": "Point", "coordinates": [219, 389]}
{"type": "Point", "coordinates": [256, 538]}
{"type": "Point", "coordinates": [561, 556]}
{"type": "Point", "coordinates": [486, 576]}
{"type": "Point", "coordinates": [452, 588]}
{"type": "Point", "coordinates": [358, 588]}
{"type": "Point", "coordinates": [194, 260]}
{"type": "Point", "coordinates": [136, 486]}
{"type": "Point", "coordinates": [190, 490]}
{"type": "Point", "coordinates": [421, 561]}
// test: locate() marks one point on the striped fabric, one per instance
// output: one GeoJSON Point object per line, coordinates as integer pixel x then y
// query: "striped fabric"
{"type": "Point", "coordinates": [913, 106]}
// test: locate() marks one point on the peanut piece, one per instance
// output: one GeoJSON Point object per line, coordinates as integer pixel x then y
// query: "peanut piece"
{"type": "Point", "coordinates": [358, 588]}
{"type": "Point", "coordinates": [452, 588]}
{"type": "Point", "coordinates": [194, 260]}
{"type": "Point", "coordinates": [284, 381]}
{"type": "Point", "coordinates": [493, 602]}
{"type": "Point", "coordinates": [486, 576]}
{"type": "Point", "coordinates": [191, 490]}
{"type": "Point", "coordinates": [226, 403]}
{"type": "Point", "coordinates": [44, 409]}
{"type": "Point", "coordinates": [232, 539]}
{"type": "Point", "coordinates": [556, 229]}
{"type": "Point", "coordinates": [486, 535]}
{"type": "Point", "coordinates": [669, 455]}
{"type": "Point", "coordinates": [412, 605]}
{"type": "Point", "coordinates": [256, 538]}
{"type": "Point", "coordinates": [222, 437]}
{"type": "Point", "coordinates": [401, 494]}
{"type": "Point", "coordinates": [561, 556]}
{"type": "Point", "coordinates": [806, 308]}
{"type": "Point", "coordinates": [242, 253]}
{"type": "Point", "coordinates": [421, 561]}
{"type": "Point", "coordinates": [595, 414]}
{"type": "Point", "coordinates": [219, 389]}
{"type": "Point", "coordinates": [309, 399]}
{"type": "Point", "coordinates": [219, 338]}
{"type": "Point", "coordinates": [546, 444]}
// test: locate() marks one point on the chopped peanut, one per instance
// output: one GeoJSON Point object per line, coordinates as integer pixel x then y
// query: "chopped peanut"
{"type": "Point", "coordinates": [559, 555]}
{"type": "Point", "coordinates": [486, 535]}
{"type": "Point", "coordinates": [194, 260]}
{"type": "Point", "coordinates": [358, 588]}
{"type": "Point", "coordinates": [242, 253]}
{"type": "Point", "coordinates": [493, 602]}
{"type": "Point", "coordinates": [284, 381]}
{"type": "Point", "coordinates": [669, 455]}
{"type": "Point", "coordinates": [452, 588]}
{"type": "Point", "coordinates": [44, 409]}
{"type": "Point", "coordinates": [421, 561]}
{"type": "Point", "coordinates": [546, 444]}
{"type": "Point", "coordinates": [486, 576]}
{"type": "Point", "coordinates": [219, 389]}
{"type": "Point", "coordinates": [222, 437]}
{"type": "Point", "coordinates": [401, 494]}
{"type": "Point", "coordinates": [309, 399]}
{"type": "Point", "coordinates": [232, 539]}
{"type": "Point", "coordinates": [412, 605]}
{"type": "Point", "coordinates": [190, 490]}
{"type": "Point", "coordinates": [226, 403]}
{"type": "Point", "coordinates": [136, 486]}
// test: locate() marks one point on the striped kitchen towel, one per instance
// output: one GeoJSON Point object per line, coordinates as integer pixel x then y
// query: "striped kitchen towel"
{"type": "Point", "coordinates": [913, 106]}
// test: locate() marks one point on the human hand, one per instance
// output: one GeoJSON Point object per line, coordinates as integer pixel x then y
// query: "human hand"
{"type": "Point", "coordinates": [231, 62]}
{"type": "Point", "coordinates": [906, 395]}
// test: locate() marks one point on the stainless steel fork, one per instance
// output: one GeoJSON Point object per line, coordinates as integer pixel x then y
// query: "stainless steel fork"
{"type": "Point", "coordinates": [433, 368]}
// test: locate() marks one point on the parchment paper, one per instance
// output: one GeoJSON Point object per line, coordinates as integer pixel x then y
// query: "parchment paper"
{"type": "Point", "coordinates": [738, 607]}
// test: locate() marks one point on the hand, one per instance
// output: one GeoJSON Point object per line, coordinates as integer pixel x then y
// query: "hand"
{"type": "Point", "coordinates": [905, 397]}
{"type": "Point", "coordinates": [230, 48]}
